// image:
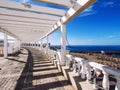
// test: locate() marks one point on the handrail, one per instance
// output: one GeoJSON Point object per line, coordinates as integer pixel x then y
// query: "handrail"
{"type": "Point", "coordinates": [84, 67]}
{"type": "Point", "coordinates": [87, 65]}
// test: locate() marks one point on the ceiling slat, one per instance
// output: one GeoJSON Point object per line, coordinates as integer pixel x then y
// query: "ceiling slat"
{"type": "Point", "coordinates": [23, 23]}
{"type": "Point", "coordinates": [24, 27]}
{"type": "Point", "coordinates": [66, 3]}
{"type": "Point", "coordinates": [20, 19]}
{"type": "Point", "coordinates": [31, 8]}
{"type": "Point", "coordinates": [28, 15]}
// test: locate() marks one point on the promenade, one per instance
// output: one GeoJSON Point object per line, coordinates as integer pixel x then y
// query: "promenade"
{"type": "Point", "coordinates": [33, 73]}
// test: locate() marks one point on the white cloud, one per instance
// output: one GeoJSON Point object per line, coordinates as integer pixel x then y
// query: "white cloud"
{"type": "Point", "coordinates": [88, 11]}
{"type": "Point", "coordinates": [108, 4]}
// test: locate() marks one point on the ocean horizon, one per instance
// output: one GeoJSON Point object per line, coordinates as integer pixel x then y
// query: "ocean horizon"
{"type": "Point", "coordinates": [90, 48]}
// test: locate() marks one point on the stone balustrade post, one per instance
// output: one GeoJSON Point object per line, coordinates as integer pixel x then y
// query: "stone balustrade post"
{"type": "Point", "coordinates": [105, 82]}
{"type": "Point", "coordinates": [74, 66]}
{"type": "Point", "coordinates": [88, 72]}
{"type": "Point", "coordinates": [118, 83]}
{"type": "Point", "coordinates": [83, 70]}
{"type": "Point", "coordinates": [95, 85]}
{"type": "Point", "coordinates": [78, 67]}
{"type": "Point", "coordinates": [68, 60]}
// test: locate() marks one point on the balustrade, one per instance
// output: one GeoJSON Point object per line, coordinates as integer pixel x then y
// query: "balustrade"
{"type": "Point", "coordinates": [83, 68]}
{"type": "Point", "coordinates": [88, 70]}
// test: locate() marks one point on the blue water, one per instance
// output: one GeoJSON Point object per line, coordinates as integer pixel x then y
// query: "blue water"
{"type": "Point", "coordinates": [93, 48]}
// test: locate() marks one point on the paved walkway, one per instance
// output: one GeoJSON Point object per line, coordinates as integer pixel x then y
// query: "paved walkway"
{"type": "Point", "coordinates": [38, 74]}
{"type": "Point", "coordinates": [11, 69]}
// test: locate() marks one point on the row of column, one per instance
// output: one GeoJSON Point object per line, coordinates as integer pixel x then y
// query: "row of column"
{"type": "Point", "coordinates": [63, 44]}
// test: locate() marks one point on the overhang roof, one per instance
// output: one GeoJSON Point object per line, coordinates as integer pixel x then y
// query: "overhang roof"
{"type": "Point", "coordinates": [28, 22]}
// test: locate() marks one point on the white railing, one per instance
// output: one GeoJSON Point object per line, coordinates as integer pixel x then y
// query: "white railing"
{"type": "Point", "coordinates": [84, 67]}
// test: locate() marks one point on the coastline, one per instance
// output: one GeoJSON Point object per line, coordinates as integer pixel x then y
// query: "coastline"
{"type": "Point", "coordinates": [104, 59]}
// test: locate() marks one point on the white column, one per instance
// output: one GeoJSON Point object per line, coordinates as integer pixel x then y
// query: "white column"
{"type": "Point", "coordinates": [63, 44]}
{"type": "Point", "coordinates": [5, 46]}
{"type": "Point", "coordinates": [118, 83]}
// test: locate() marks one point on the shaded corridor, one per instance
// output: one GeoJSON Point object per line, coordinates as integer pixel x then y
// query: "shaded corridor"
{"type": "Point", "coordinates": [41, 74]}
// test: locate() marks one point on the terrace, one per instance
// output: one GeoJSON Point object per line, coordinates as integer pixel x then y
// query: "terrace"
{"type": "Point", "coordinates": [38, 67]}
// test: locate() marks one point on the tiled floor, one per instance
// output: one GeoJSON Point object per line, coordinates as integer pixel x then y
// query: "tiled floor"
{"type": "Point", "coordinates": [38, 74]}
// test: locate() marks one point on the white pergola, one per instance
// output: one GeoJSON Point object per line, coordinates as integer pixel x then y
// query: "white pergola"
{"type": "Point", "coordinates": [29, 23]}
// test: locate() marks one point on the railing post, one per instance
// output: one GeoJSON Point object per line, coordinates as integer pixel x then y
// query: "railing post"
{"type": "Point", "coordinates": [63, 44]}
{"type": "Point", "coordinates": [5, 46]}
{"type": "Point", "coordinates": [105, 82]}
{"type": "Point", "coordinates": [118, 83]}
{"type": "Point", "coordinates": [83, 71]}
{"type": "Point", "coordinates": [88, 72]}
{"type": "Point", "coordinates": [95, 72]}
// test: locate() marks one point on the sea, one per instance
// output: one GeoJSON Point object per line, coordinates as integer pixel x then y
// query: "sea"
{"type": "Point", "coordinates": [114, 49]}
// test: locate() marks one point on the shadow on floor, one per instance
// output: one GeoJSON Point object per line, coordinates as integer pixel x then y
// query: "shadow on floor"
{"type": "Point", "coordinates": [12, 59]}
{"type": "Point", "coordinates": [34, 77]}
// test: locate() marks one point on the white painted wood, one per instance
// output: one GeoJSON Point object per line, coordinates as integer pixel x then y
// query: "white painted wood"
{"type": "Point", "coordinates": [65, 3]}
{"type": "Point", "coordinates": [22, 17]}
{"type": "Point", "coordinates": [25, 35]}
{"type": "Point", "coordinates": [24, 23]}
{"type": "Point", "coordinates": [23, 27]}
{"type": "Point", "coordinates": [27, 20]}
{"type": "Point", "coordinates": [31, 8]}
{"type": "Point", "coordinates": [30, 15]}
{"type": "Point", "coordinates": [63, 44]}
{"type": "Point", "coordinates": [31, 30]}
{"type": "Point", "coordinates": [5, 46]}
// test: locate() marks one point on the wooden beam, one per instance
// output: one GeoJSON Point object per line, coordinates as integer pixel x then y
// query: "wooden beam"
{"type": "Point", "coordinates": [29, 15]}
{"type": "Point", "coordinates": [24, 24]}
{"type": "Point", "coordinates": [24, 27]}
{"type": "Point", "coordinates": [65, 3]}
{"type": "Point", "coordinates": [27, 20]}
{"type": "Point", "coordinates": [32, 8]}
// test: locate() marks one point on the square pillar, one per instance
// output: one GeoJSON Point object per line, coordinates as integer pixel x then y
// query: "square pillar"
{"type": "Point", "coordinates": [63, 44]}
{"type": "Point", "coordinates": [5, 46]}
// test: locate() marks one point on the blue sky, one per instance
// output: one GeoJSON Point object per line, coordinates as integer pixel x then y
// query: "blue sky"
{"type": "Point", "coordinates": [97, 25]}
